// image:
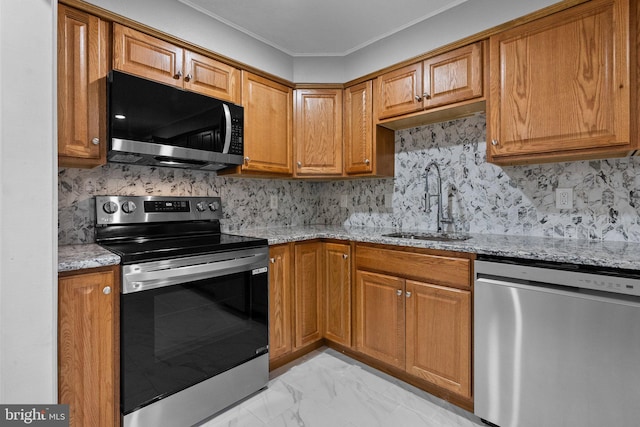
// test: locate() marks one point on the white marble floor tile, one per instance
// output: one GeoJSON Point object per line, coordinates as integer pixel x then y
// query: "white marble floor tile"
{"type": "Point", "coordinates": [328, 389]}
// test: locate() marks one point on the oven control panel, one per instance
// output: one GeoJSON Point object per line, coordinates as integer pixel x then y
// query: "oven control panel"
{"type": "Point", "coordinates": [148, 209]}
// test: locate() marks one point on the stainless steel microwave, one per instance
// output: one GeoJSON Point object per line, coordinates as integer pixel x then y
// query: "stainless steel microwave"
{"type": "Point", "coordinates": [159, 125]}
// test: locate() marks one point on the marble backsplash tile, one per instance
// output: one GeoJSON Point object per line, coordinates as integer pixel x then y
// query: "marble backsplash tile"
{"type": "Point", "coordinates": [245, 201]}
{"type": "Point", "coordinates": [484, 198]}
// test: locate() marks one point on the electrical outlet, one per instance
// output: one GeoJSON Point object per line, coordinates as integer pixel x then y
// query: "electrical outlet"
{"type": "Point", "coordinates": [344, 201]}
{"type": "Point", "coordinates": [388, 200]}
{"type": "Point", "coordinates": [564, 198]}
{"type": "Point", "coordinates": [274, 202]}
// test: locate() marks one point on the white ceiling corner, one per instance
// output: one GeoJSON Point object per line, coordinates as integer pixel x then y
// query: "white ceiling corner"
{"type": "Point", "coordinates": [320, 28]}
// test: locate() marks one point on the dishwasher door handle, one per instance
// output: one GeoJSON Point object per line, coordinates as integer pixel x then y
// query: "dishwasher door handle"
{"type": "Point", "coordinates": [564, 291]}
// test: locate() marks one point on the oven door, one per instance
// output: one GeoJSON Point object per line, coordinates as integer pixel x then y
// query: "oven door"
{"type": "Point", "coordinates": [186, 320]}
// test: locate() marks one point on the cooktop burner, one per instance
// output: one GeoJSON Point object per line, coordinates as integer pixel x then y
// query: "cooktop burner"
{"type": "Point", "coordinates": [137, 250]}
{"type": "Point", "coordinates": [152, 228]}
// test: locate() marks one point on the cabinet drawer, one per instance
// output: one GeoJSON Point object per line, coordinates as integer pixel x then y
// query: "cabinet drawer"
{"type": "Point", "coordinates": [436, 269]}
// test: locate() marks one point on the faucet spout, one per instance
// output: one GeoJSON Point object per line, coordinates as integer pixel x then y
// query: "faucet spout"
{"type": "Point", "coordinates": [438, 195]}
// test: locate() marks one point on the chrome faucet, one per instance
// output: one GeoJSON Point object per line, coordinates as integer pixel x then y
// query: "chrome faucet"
{"type": "Point", "coordinates": [438, 195]}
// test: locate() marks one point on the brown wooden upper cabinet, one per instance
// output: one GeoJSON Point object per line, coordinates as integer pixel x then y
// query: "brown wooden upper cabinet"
{"type": "Point", "coordinates": [444, 79]}
{"type": "Point", "coordinates": [268, 127]}
{"type": "Point", "coordinates": [146, 56]}
{"type": "Point", "coordinates": [368, 149]}
{"type": "Point", "coordinates": [83, 52]}
{"type": "Point", "coordinates": [562, 87]}
{"type": "Point", "coordinates": [317, 138]}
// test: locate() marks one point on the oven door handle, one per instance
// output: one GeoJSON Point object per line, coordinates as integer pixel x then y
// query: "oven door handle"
{"type": "Point", "coordinates": [145, 279]}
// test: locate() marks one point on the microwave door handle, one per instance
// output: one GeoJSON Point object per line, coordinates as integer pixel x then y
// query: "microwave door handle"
{"type": "Point", "coordinates": [227, 129]}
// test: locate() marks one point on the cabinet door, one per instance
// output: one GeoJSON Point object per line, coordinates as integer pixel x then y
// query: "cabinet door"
{"type": "Point", "coordinates": [358, 128]}
{"type": "Point", "coordinates": [337, 304]}
{"type": "Point", "coordinates": [82, 88]}
{"type": "Point", "coordinates": [210, 77]}
{"type": "Point", "coordinates": [145, 56]}
{"type": "Point", "coordinates": [400, 91]}
{"type": "Point", "coordinates": [453, 76]}
{"type": "Point", "coordinates": [88, 347]}
{"type": "Point", "coordinates": [560, 85]}
{"type": "Point", "coordinates": [318, 132]}
{"type": "Point", "coordinates": [308, 293]}
{"type": "Point", "coordinates": [439, 335]}
{"type": "Point", "coordinates": [268, 110]}
{"type": "Point", "coordinates": [380, 322]}
{"type": "Point", "coordinates": [280, 303]}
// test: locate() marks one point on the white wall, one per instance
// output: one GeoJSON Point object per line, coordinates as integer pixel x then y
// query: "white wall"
{"type": "Point", "coordinates": [186, 23]}
{"type": "Point", "coordinates": [28, 221]}
{"type": "Point", "coordinates": [182, 21]}
{"type": "Point", "coordinates": [454, 24]}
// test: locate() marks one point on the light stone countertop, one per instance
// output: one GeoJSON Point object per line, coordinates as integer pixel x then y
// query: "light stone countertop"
{"type": "Point", "coordinates": [79, 257]}
{"type": "Point", "coordinates": [622, 255]}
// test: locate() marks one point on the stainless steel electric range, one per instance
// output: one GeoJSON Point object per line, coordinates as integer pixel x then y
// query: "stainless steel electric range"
{"type": "Point", "coordinates": [194, 308]}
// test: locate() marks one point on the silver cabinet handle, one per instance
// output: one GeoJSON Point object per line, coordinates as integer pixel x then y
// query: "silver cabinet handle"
{"type": "Point", "coordinates": [188, 77]}
{"type": "Point", "coordinates": [494, 142]}
{"type": "Point", "coordinates": [426, 95]}
{"type": "Point", "coordinates": [408, 294]}
{"type": "Point", "coordinates": [418, 98]}
{"type": "Point", "coordinates": [299, 164]}
{"type": "Point", "coordinates": [177, 75]}
{"type": "Point", "coordinates": [247, 159]}
{"type": "Point", "coordinates": [273, 260]}
{"type": "Point", "coordinates": [399, 292]}
{"type": "Point", "coordinates": [95, 141]}
{"type": "Point", "coordinates": [345, 256]}
{"type": "Point", "coordinates": [106, 290]}
{"type": "Point", "coordinates": [367, 161]}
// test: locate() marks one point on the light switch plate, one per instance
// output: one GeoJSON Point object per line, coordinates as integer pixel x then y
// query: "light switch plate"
{"type": "Point", "coordinates": [344, 201]}
{"type": "Point", "coordinates": [564, 198]}
{"type": "Point", "coordinates": [274, 201]}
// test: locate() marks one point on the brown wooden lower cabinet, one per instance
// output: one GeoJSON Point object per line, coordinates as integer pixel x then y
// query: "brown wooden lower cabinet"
{"type": "Point", "coordinates": [307, 292]}
{"type": "Point", "coordinates": [417, 319]}
{"type": "Point", "coordinates": [380, 317]}
{"type": "Point", "coordinates": [408, 310]}
{"type": "Point", "coordinates": [296, 280]}
{"type": "Point", "coordinates": [88, 346]}
{"type": "Point", "coordinates": [337, 293]}
{"type": "Point", "coordinates": [280, 308]}
{"type": "Point", "coordinates": [438, 335]}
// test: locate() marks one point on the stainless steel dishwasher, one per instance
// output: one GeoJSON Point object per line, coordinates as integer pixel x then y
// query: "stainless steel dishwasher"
{"type": "Point", "coordinates": [556, 345]}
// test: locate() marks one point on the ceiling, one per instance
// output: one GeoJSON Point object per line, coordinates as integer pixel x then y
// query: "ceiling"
{"type": "Point", "coordinates": [320, 27]}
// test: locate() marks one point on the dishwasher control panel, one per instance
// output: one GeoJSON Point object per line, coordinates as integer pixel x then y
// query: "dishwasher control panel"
{"type": "Point", "coordinates": [572, 276]}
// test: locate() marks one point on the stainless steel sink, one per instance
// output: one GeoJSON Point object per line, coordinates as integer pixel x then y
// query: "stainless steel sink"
{"type": "Point", "coordinates": [437, 237]}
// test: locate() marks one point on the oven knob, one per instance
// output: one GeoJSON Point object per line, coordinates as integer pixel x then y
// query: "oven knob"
{"type": "Point", "coordinates": [214, 206]}
{"type": "Point", "coordinates": [128, 207]}
{"type": "Point", "coordinates": [201, 206]}
{"type": "Point", "coordinates": [110, 207]}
